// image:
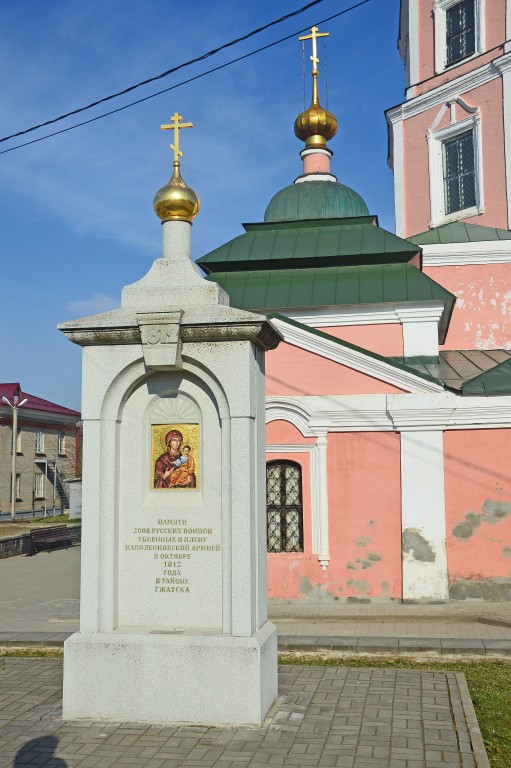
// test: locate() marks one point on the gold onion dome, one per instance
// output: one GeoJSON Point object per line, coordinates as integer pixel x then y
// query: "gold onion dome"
{"type": "Point", "coordinates": [176, 201]}
{"type": "Point", "coordinates": [315, 126]}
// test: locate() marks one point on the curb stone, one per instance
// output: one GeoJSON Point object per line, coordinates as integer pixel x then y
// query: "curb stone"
{"type": "Point", "coordinates": [312, 643]}
{"type": "Point", "coordinates": [476, 738]}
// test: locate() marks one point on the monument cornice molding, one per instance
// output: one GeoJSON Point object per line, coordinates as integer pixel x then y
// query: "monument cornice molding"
{"type": "Point", "coordinates": [261, 333]}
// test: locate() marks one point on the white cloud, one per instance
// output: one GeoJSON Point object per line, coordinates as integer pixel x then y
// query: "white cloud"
{"type": "Point", "coordinates": [98, 302]}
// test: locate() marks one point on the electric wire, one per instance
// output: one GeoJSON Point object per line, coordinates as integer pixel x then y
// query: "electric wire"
{"type": "Point", "coordinates": [167, 72]}
{"type": "Point", "coordinates": [166, 90]}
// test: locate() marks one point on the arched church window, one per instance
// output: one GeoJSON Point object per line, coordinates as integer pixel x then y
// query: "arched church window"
{"type": "Point", "coordinates": [284, 508]}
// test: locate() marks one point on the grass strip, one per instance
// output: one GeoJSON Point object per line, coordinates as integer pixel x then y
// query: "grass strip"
{"type": "Point", "coordinates": [489, 683]}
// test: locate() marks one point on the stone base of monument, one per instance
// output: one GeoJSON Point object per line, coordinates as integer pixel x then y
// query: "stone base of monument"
{"type": "Point", "coordinates": [171, 678]}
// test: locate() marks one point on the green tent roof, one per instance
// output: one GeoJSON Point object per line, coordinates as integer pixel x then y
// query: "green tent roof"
{"type": "Point", "coordinates": [333, 242]}
{"type": "Point", "coordinates": [265, 290]}
{"type": "Point", "coordinates": [460, 232]}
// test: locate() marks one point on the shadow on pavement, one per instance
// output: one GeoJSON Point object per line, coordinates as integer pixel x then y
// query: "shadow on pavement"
{"type": "Point", "coordinates": [38, 752]}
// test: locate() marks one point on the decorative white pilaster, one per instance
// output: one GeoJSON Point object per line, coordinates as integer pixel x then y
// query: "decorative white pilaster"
{"type": "Point", "coordinates": [420, 329]}
{"type": "Point", "coordinates": [504, 65]}
{"type": "Point", "coordinates": [395, 121]}
{"type": "Point", "coordinates": [423, 516]}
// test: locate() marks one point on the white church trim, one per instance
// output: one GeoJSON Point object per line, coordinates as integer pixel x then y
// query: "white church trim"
{"type": "Point", "coordinates": [383, 413]}
{"type": "Point", "coordinates": [440, 7]}
{"type": "Point", "coordinates": [464, 254]}
{"type": "Point", "coordinates": [436, 139]}
{"type": "Point", "coordinates": [357, 360]}
{"type": "Point", "coordinates": [504, 67]}
{"type": "Point", "coordinates": [424, 555]}
{"type": "Point", "coordinates": [318, 492]}
{"type": "Point", "coordinates": [289, 409]}
{"type": "Point", "coordinates": [448, 91]}
{"type": "Point", "coordinates": [363, 314]}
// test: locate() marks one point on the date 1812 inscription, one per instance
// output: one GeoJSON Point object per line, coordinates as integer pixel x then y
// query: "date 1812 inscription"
{"type": "Point", "coordinates": [174, 544]}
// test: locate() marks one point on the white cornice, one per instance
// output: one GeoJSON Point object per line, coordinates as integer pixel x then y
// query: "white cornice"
{"type": "Point", "coordinates": [369, 314]}
{"type": "Point", "coordinates": [448, 411]}
{"type": "Point", "coordinates": [289, 409]}
{"type": "Point", "coordinates": [387, 413]}
{"type": "Point", "coordinates": [356, 360]}
{"type": "Point", "coordinates": [450, 90]}
{"type": "Point", "coordinates": [461, 254]}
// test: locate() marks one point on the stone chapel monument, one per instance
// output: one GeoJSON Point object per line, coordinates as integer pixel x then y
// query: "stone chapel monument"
{"type": "Point", "coordinates": [173, 617]}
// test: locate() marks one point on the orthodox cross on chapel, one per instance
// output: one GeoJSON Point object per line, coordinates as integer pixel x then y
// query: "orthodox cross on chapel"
{"type": "Point", "coordinates": [176, 125]}
{"type": "Point", "coordinates": [315, 33]}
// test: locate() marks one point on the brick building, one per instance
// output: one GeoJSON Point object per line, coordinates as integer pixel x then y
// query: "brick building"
{"type": "Point", "coordinates": [48, 450]}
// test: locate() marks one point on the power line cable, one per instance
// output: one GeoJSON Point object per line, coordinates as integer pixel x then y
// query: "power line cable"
{"type": "Point", "coordinates": [177, 85]}
{"type": "Point", "coordinates": [167, 72]}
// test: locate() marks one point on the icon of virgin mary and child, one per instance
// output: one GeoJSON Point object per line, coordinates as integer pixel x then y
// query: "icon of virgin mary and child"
{"type": "Point", "coordinates": [176, 467]}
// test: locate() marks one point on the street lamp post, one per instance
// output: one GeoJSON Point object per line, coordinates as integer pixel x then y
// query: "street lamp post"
{"type": "Point", "coordinates": [16, 403]}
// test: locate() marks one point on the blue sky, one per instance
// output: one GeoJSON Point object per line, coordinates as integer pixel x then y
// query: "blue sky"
{"type": "Point", "coordinates": [76, 217]}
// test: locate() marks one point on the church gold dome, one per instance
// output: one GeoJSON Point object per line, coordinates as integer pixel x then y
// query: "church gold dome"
{"type": "Point", "coordinates": [315, 126]}
{"type": "Point", "coordinates": [176, 201]}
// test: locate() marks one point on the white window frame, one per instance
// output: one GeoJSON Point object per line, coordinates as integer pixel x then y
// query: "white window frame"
{"type": "Point", "coordinates": [440, 8]}
{"type": "Point", "coordinates": [61, 443]}
{"type": "Point", "coordinates": [17, 487]}
{"type": "Point", "coordinates": [39, 442]}
{"type": "Point", "coordinates": [436, 170]}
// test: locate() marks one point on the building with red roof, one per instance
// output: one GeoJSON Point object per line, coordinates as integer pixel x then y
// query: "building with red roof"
{"type": "Point", "coordinates": [47, 451]}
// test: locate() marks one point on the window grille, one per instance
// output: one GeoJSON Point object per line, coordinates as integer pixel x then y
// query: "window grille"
{"type": "Point", "coordinates": [284, 506]}
{"type": "Point", "coordinates": [460, 31]}
{"type": "Point", "coordinates": [39, 442]}
{"type": "Point", "coordinates": [459, 172]}
{"type": "Point", "coordinates": [38, 485]}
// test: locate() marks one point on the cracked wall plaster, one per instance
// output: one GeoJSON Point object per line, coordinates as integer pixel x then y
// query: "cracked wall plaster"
{"type": "Point", "coordinates": [414, 541]}
{"type": "Point", "coordinates": [493, 512]}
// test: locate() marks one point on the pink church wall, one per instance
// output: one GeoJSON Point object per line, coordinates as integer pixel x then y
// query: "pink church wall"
{"type": "Point", "coordinates": [478, 513]}
{"type": "Point", "coordinates": [482, 315]}
{"type": "Point", "coordinates": [293, 371]}
{"type": "Point", "coordinates": [415, 159]}
{"type": "Point", "coordinates": [494, 36]}
{"type": "Point", "coordinates": [385, 339]}
{"type": "Point", "coordinates": [364, 492]}
{"type": "Point", "coordinates": [280, 432]}
{"type": "Point", "coordinates": [364, 520]}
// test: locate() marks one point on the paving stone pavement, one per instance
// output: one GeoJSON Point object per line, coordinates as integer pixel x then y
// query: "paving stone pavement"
{"type": "Point", "coordinates": [324, 716]}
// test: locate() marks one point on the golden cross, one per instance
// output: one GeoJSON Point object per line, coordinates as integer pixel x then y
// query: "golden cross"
{"type": "Point", "coordinates": [175, 125]}
{"type": "Point", "coordinates": [315, 33]}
